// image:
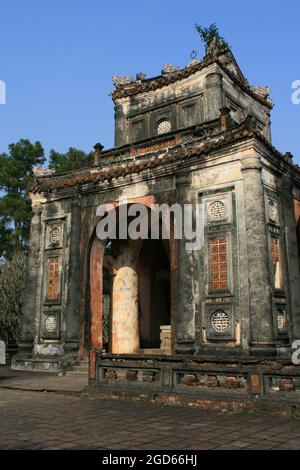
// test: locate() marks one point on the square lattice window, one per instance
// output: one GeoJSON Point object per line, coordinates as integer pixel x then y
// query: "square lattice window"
{"type": "Point", "coordinates": [53, 278]}
{"type": "Point", "coordinates": [218, 264]}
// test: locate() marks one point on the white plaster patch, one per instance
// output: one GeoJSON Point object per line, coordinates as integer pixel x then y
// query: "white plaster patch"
{"type": "Point", "coordinates": [49, 349]}
{"type": "Point", "coordinates": [137, 190]}
{"type": "Point", "coordinates": [207, 177]}
{"type": "Point", "coordinates": [268, 178]}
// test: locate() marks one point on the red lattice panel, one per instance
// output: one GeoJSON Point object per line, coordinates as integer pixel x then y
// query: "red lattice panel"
{"type": "Point", "coordinates": [218, 263]}
{"type": "Point", "coordinates": [53, 274]}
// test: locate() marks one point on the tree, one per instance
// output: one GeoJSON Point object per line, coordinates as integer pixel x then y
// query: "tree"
{"type": "Point", "coordinates": [210, 35]}
{"type": "Point", "coordinates": [70, 160]}
{"type": "Point", "coordinates": [12, 282]}
{"type": "Point", "coordinates": [16, 174]}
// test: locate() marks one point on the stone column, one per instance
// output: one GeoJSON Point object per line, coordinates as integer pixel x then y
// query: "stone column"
{"type": "Point", "coordinates": [72, 312]}
{"type": "Point", "coordinates": [213, 96]}
{"type": "Point", "coordinates": [29, 316]}
{"type": "Point", "coordinates": [260, 291]}
{"type": "Point", "coordinates": [185, 341]}
{"type": "Point", "coordinates": [290, 233]}
{"type": "Point", "coordinates": [125, 312]}
{"type": "Point", "coordinates": [120, 126]}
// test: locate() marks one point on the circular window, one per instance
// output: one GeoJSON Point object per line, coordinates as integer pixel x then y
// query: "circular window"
{"type": "Point", "coordinates": [273, 211]}
{"type": "Point", "coordinates": [50, 323]}
{"type": "Point", "coordinates": [281, 321]}
{"type": "Point", "coordinates": [220, 321]}
{"type": "Point", "coordinates": [55, 234]}
{"type": "Point", "coordinates": [163, 126]}
{"type": "Point", "coordinates": [217, 210]}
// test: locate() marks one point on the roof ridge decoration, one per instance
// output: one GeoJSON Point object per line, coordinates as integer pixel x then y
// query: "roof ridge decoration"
{"type": "Point", "coordinates": [217, 51]}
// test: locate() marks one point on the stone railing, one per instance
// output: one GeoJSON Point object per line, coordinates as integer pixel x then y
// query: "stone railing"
{"type": "Point", "coordinates": [194, 379]}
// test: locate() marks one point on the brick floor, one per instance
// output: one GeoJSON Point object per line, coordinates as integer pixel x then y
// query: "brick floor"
{"type": "Point", "coordinates": [40, 381]}
{"type": "Point", "coordinates": [43, 420]}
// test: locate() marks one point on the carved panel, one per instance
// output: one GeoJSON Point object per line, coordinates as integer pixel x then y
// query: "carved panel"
{"type": "Point", "coordinates": [220, 322]}
{"type": "Point", "coordinates": [53, 273]}
{"type": "Point", "coordinates": [51, 324]}
{"type": "Point", "coordinates": [52, 278]}
{"type": "Point", "coordinates": [163, 127]}
{"type": "Point", "coordinates": [218, 209]}
{"type": "Point", "coordinates": [54, 234]}
{"type": "Point", "coordinates": [281, 322]}
{"type": "Point", "coordinates": [273, 212]}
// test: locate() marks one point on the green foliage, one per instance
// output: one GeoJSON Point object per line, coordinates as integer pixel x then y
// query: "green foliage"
{"type": "Point", "coordinates": [68, 161]}
{"type": "Point", "coordinates": [16, 174]}
{"type": "Point", "coordinates": [210, 34]}
{"type": "Point", "coordinates": [12, 288]}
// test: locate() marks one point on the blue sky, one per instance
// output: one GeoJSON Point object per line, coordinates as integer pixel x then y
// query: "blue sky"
{"type": "Point", "coordinates": [57, 58]}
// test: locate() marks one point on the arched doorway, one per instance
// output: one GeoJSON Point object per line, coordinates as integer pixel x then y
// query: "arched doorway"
{"type": "Point", "coordinates": [129, 295]}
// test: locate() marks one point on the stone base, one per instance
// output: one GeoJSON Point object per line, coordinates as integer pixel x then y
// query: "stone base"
{"type": "Point", "coordinates": [192, 379]}
{"type": "Point", "coordinates": [37, 364]}
{"type": "Point", "coordinates": [186, 347]}
{"type": "Point", "coordinates": [284, 352]}
{"type": "Point", "coordinates": [233, 403]}
{"type": "Point", "coordinates": [257, 350]}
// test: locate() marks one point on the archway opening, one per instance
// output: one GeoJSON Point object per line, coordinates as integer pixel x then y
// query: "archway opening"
{"type": "Point", "coordinates": [130, 295]}
{"type": "Point", "coordinates": [154, 294]}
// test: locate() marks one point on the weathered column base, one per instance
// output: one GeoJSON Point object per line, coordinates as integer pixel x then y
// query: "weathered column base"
{"type": "Point", "coordinates": [185, 346]}
{"type": "Point", "coordinates": [71, 348]}
{"type": "Point", "coordinates": [35, 363]}
{"type": "Point", "coordinates": [25, 348]}
{"type": "Point", "coordinates": [284, 352]}
{"type": "Point", "coordinates": [258, 349]}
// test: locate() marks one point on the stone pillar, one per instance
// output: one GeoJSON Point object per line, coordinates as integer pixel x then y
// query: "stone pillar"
{"type": "Point", "coordinates": [29, 316]}
{"type": "Point", "coordinates": [72, 312]}
{"type": "Point", "coordinates": [120, 126]}
{"type": "Point", "coordinates": [185, 341]}
{"type": "Point", "coordinates": [260, 291]}
{"type": "Point", "coordinates": [290, 235]}
{"type": "Point", "coordinates": [125, 312]}
{"type": "Point", "coordinates": [213, 96]}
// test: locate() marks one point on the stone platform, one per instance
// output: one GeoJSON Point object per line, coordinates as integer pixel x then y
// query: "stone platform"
{"type": "Point", "coordinates": [252, 384]}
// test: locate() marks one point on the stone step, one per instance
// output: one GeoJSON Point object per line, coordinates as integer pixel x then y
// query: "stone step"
{"type": "Point", "coordinates": [71, 373]}
{"type": "Point", "coordinates": [154, 351]}
{"type": "Point", "coordinates": [81, 368]}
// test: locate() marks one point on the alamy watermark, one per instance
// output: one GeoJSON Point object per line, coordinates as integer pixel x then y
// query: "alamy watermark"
{"type": "Point", "coordinates": [296, 93]}
{"type": "Point", "coordinates": [296, 353]}
{"type": "Point", "coordinates": [2, 92]}
{"type": "Point", "coordinates": [137, 221]}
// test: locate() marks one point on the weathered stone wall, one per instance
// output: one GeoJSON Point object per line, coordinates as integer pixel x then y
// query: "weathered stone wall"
{"type": "Point", "coordinates": [223, 181]}
{"type": "Point", "coordinates": [185, 103]}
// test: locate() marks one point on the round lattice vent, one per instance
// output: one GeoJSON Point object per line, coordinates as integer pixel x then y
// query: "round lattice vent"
{"type": "Point", "coordinates": [51, 323]}
{"type": "Point", "coordinates": [281, 321]}
{"type": "Point", "coordinates": [163, 127]}
{"type": "Point", "coordinates": [220, 321]}
{"type": "Point", "coordinates": [273, 211]}
{"type": "Point", "coordinates": [217, 210]}
{"type": "Point", "coordinates": [55, 235]}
